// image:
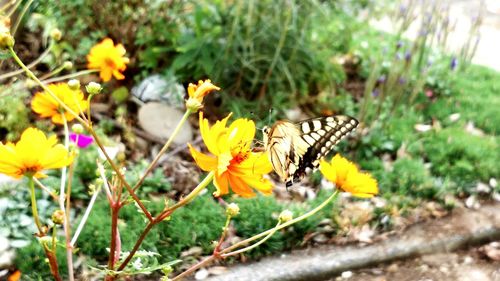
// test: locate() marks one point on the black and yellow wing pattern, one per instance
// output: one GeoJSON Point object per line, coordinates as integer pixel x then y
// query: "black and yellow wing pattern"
{"type": "Point", "coordinates": [294, 147]}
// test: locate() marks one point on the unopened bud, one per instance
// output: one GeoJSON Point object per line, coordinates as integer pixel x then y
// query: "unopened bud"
{"type": "Point", "coordinates": [68, 65]}
{"type": "Point", "coordinates": [232, 209]}
{"type": "Point", "coordinates": [58, 217]}
{"type": "Point", "coordinates": [193, 104]}
{"type": "Point", "coordinates": [74, 84]}
{"type": "Point", "coordinates": [285, 216]}
{"type": "Point", "coordinates": [6, 39]}
{"type": "Point", "coordinates": [93, 88]}
{"type": "Point", "coordinates": [56, 34]}
{"type": "Point", "coordinates": [77, 129]}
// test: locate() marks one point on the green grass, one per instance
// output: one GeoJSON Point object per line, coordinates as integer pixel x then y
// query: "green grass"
{"type": "Point", "coordinates": [475, 95]}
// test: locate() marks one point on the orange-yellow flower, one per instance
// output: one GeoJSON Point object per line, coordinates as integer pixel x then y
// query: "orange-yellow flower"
{"type": "Point", "coordinates": [45, 105]}
{"type": "Point", "coordinates": [32, 154]}
{"type": "Point", "coordinates": [348, 178]}
{"type": "Point", "coordinates": [234, 164]}
{"type": "Point", "coordinates": [109, 59]}
{"type": "Point", "coordinates": [196, 93]}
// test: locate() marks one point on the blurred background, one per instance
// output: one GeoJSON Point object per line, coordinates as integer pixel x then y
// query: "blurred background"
{"type": "Point", "coordinates": [421, 76]}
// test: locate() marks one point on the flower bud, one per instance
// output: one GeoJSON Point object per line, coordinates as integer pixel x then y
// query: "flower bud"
{"type": "Point", "coordinates": [193, 104]}
{"type": "Point", "coordinates": [93, 88]}
{"type": "Point", "coordinates": [232, 209]}
{"type": "Point", "coordinates": [74, 84]}
{"type": "Point", "coordinates": [285, 216]}
{"type": "Point", "coordinates": [58, 217]}
{"type": "Point", "coordinates": [68, 65]}
{"type": "Point", "coordinates": [6, 39]}
{"type": "Point", "coordinates": [77, 128]}
{"type": "Point", "coordinates": [56, 34]}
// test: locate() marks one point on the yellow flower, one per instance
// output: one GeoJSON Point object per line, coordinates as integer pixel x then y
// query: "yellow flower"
{"type": "Point", "coordinates": [348, 178]}
{"type": "Point", "coordinates": [196, 94]}
{"type": "Point", "coordinates": [109, 59]}
{"type": "Point", "coordinates": [233, 162]}
{"type": "Point", "coordinates": [32, 154]}
{"type": "Point", "coordinates": [45, 105]}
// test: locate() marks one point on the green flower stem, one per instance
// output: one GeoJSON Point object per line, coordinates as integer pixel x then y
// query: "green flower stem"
{"type": "Point", "coordinates": [223, 235]}
{"type": "Point", "coordinates": [31, 65]}
{"type": "Point", "coordinates": [46, 189]}
{"type": "Point", "coordinates": [119, 174]}
{"type": "Point", "coordinates": [34, 209]}
{"type": "Point", "coordinates": [31, 75]}
{"type": "Point", "coordinates": [167, 212]}
{"type": "Point", "coordinates": [288, 223]}
{"type": "Point", "coordinates": [202, 185]}
{"type": "Point", "coordinates": [69, 76]}
{"type": "Point", "coordinates": [273, 230]}
{"type": "Point", "coordinates": [20, 17]}
{"type": "Point", "coordinates": [265, 233]}
{"type": "Point", "coordinates": [163, 149]}
{"type": "Point", "coordinates": [53, 72]}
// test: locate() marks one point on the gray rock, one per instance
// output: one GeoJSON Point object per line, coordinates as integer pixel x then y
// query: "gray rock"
{"type": "Point", "coordinates": [160, 88]}
{"type": "Point", "coordinates": [160, 121]}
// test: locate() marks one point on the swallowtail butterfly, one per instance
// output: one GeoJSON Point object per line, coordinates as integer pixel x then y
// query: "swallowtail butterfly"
{"type": "Point", "coordinates": [294, 147]}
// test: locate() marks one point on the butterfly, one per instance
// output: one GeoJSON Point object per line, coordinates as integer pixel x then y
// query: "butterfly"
{"type": "Point", "coordinates": [294, 147]}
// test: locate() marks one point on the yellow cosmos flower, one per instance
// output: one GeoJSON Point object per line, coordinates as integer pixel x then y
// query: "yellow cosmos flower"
{"type": "Point", "coordinates": [32, 154]}
{"type": "Point", "coordinates": [348, 178]}
{"type": "Point", "coordinates": [233, 162]}
{"type": "Point", "coordinates": [45, 105]}
{"type": "Point", "coordinates": [196, 94]}
{"type": "Point", "coordinates": [109, 59]}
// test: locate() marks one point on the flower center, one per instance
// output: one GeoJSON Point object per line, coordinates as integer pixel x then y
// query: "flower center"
{"type": "Point", "coordinates": [109, 62]}
{"type": "Point", "coordinates": [29, 171]}
{"type": "Point", "coordinates": [240, 153]}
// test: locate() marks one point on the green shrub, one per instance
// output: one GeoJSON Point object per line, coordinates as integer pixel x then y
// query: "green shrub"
{"type": "Point", "coordinates": [410, 177]}
{"type": "Point", "coordinates": [33, 264]}
{"type": "Point", "coordinates": [257, 215]}
{"type": "Point", "coordinates": [474, 94]}
{"type": "Point", "coordinates": [13, 111]}
{"type": "Point", "coordinates": [460, 156]}
{"type": "Point", "coordinates": [262, 49]}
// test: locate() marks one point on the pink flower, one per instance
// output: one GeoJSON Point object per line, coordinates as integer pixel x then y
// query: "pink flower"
{"type": "Point", "coordinates": [81, 140]}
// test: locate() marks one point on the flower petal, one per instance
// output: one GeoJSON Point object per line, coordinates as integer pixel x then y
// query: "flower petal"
{"type": "Point", "coordinates": [221, 184]}
{"type": "Point", "coordinates": [360, 185]}
{"type": "Point", "coordinates": [240, 187]}
{"type": "Point", "coordinates": [205, 162]}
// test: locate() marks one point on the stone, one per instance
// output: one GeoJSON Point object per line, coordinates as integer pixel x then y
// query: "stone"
{"type": "Point", "coordinates": [160, 120]}
{"type": "Point", "coordinates": [159, 88]}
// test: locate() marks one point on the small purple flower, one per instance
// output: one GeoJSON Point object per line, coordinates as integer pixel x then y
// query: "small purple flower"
{"type": "Point", "coordinates": [407, 56]}
{"type": "Point", "coordinates": [381, 79]}
{"type": "Point", "coordinates": [375, 93]}
{"type": "Point", "coordinates": [402, 81]}
{"type": "Point", "coordinates": [81, 140]}
{"type": "Point", "coordinates": [399, 45]}
{"type": "Point", "coordinates": [453, 63]}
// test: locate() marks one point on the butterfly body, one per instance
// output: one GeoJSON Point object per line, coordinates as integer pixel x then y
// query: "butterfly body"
{"type": "Point", "coordinates": [294, 147]}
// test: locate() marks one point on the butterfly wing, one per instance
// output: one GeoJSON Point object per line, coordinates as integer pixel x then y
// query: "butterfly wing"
{"type": "Point", "coordinates": [285, 146]}
{"type": "Point", "coordinates": [322, 134]}
{"type": "Point", "coordinates": [293, 147]}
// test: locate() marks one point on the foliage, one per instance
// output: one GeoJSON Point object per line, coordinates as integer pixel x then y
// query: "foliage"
{"type": "Point", "coordinates": [270, 50]}
{"type": "Point", "coordinates": [460, 156]}
{"type": "Point", "coordinates": [474, 95]}
{"type": "Point", "coordinates": [13, 112]}
{"type": "Point", "coordinates": [32, 262]}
